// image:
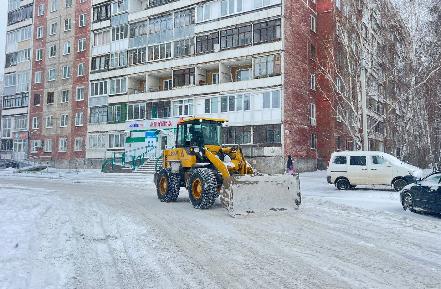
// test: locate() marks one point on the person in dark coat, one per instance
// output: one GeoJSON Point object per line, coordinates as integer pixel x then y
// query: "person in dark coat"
{"type": "Point", "coordinates": [290, 166]}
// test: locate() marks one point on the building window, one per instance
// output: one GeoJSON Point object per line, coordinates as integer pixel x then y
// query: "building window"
{"type": "Point", "coordinates": [184, 47]}
{"type": "Point", "coordinates": [101, 37]}
{"type": "Point", "coordinates": [40, 32]}
{"type": "Point", "coordinates": [159, 51]}
{"type": "Point", "coordinates": [49, 121]}
{"type": "Point", "coordinates": [97, 141]}
{"type": "Point", "coordinates": [114, 114]}
{"type": "Point", "coordinates": [312, 51]}
{"type": "Point", "coordinates": [37, 99]}
{"type": "Point", "coordinates": [268, 31]}
{"type": "Point", "coordinates": [101, 12]}
{"type": "Point", "coordinates": [6, 127]}
{"type": "Point", "coordinates": [82, 20]}
{"type": "Point", "coordinates": [271, 99]}
{"type": "Point", "coordinates": [313, 141]}
{"type": "Point", "coordinates": [237, 135]}
{"type": "Point", "coordinates": [66, 49]}
{"type": "Point", "coordinates": [64, 96]}
{"type": "Point", "coordinates": [35, 123]}
{"type": "Point", "coordinates": [236, 37]}
{"type": "Point", "coordinates": [62, 144]}
{"type": "Point", "coordinates": [80, 94]}
{"type": "Point", "coordinates": [35, 144]}
{"type": "Point", "coordinates": [52, 51]}
{"type": "Point", "coordinates": [136, 111]}
{"type": "Point", "coordinates": [15, 101]}
{"type": "Point", "coordinates": [64, 120]}
{"type": "Point", "coordinates": [66, 72]}
{"type": "Point", "coordinates": [116, 140]}
{"type": "Point", "coordinates": [67, 24]}
{"type": "Point", "coordinates": [67, 3]}
{"type": "Point", "coordinates": [267, 134]}
{"type": "Point", "coordinates": [54, 5]}
{"type": "Point", "coordinates": [184, 18]}
{"type": "Point", "coordinates": [98, 88]}
{"type": "Point", "coordinates": [268, 65]}
{"type": "Point", "coordinates": [118, 86]}
{"type": "Point", "coordinates": [52, 74]}
{"type": "Point", "coordinates": [118, 59]}
{"type": "Point", "coordinates": [100, 63]}
{"type": "Point", "coordinates": [79, 118]}
{"type": "Point", "coordinates": [183, 107]}
{"type": "Point", "coordinates": [98, 115]}
{"type": "Point", "coordinates": [312, 114]}
{"type": "Point", "coordinates": [38, 77]}
{"type": "Point", "coordinates": [47, 146]}
{"type": "Point", "coordinates": [119, 32]}
{"type": "Point", "coordinates": [50, 97]}
{"type": "Point", "coordinates": [81, 44]}
{"type": "Point", "coordinates": [138, 56]}
{"type": "Point", "coordinates": [39, 54]}
{"type": "Point", "coordinates": [183, 77]}
{"type": "Point", "coordinates": [78, 145]}
{"type": "Point", "coordinates": [313, 23]}
{"type": "Point", "coordinates": [312, 81]}
{"type": "Point", "coordinates": [40, 11]}
{"type": "Point", "coordinates": [207, 43]}
{"type": "Point", "coordinates": [80, 70]}
{"type": "Point", "coordinates": [167, 84]}
{"type": "Point", "coordinates": [53, 28]}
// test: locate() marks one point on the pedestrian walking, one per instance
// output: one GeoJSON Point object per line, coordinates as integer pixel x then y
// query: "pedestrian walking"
{"type": "Point", "coordinates": [290, 166]}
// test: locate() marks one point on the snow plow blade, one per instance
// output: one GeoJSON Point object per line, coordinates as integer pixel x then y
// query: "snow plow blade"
{"type": "Point", "coordinates": [247, 194]}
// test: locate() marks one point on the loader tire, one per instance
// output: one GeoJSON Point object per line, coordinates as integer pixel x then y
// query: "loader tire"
{"type": "Point", "coordinates": [202, 188]}
{"type": "Point", "coordinates": [167, 186]}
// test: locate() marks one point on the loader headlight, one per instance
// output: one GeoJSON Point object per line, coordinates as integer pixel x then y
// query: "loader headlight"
{"type": "Point", "coordinates": [196, 149]}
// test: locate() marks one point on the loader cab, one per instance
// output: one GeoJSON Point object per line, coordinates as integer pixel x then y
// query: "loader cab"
{"type": "Point", "coordinates": [199, 132]}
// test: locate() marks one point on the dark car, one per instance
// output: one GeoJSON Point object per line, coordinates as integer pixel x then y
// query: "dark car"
{"type": "Point", "coordinates": [424, 195]}
{"type": "Point", "coordinates": [8, 164]}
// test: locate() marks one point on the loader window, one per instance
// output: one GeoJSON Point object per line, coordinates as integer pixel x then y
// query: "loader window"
{"type": "Point", "coordinates": [199, 134]}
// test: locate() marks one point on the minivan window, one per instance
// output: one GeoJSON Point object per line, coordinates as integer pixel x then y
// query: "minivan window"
{"type": "Point", "coordinates": [358, 160]}
{"type": "Point", "coordinates": [340, 160]}
{"type": "Point", "coordinates": [377, 160]}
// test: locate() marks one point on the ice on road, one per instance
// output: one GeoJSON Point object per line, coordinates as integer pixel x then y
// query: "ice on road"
{"type": "Point", "coordinates": [89, 230]}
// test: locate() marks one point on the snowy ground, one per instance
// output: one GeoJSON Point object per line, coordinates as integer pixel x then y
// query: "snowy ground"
{"type": "Point", "coordinates": [62, 229]}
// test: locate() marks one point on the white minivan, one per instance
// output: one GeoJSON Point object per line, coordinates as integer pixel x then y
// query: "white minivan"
{"type": "Point", "coordinates": [349, 169]}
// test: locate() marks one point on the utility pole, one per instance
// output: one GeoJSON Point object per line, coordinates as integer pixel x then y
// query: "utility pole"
{"type": "Point", "coordinates": [364, 103]}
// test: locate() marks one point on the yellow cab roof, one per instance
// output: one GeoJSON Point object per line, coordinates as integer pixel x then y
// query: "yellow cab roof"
{"type": "Point", "coordinates": [190, 119]}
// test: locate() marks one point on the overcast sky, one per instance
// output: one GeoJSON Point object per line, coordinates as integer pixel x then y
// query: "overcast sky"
{"type": "Point", "coordinates": [3, 20]}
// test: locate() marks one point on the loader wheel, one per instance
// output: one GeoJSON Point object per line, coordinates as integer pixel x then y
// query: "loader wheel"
{"type": "Point", "coordinates": [202, 188]}
{"type": "Point", "coordinates": [167, 186]}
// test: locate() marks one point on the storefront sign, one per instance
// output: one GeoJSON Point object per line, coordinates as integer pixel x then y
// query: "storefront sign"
{"type": "Point", "coordinates": [153, 124]}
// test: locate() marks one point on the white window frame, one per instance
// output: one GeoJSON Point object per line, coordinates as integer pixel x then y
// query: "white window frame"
{"type": "Point", "coordinates": [62, 144]}
{"type": "Point", "coordinates": [47, 148]}
{"type": "Point", "coordinates": [77, 94]}
{"type": "Point", "coordinates": [313, 24]}
{"type": "Point", "coordinates": [64, 120]}
{"type": "Point", "coordinates": [35, 124]}
{"type": "Point", "coordinates": [38, 77]}
{"type": "Point", "coordinates": [80, 69]}
{"type": "Point", "coordinates": [82, 20]}
{"type": "Point", "coordinates": [79, 118]}
{"type": "Point", "coordinates": [78, 144]}
{"type": "Point", "coordinates": [49, 121]}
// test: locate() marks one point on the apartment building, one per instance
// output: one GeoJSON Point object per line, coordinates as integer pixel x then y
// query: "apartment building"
{"type": "Point", "coordinates": [362, 69]}
{"type": "Point", "coordinates": [155, 61]}
{"type": "Point", "coordinates": [60, 80]}
{"type": "Point", "coordinates": [15, 96]}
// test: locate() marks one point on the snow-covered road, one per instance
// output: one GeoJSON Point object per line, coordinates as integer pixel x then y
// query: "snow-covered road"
{"type": "Point", "coordinates": [87, 230]}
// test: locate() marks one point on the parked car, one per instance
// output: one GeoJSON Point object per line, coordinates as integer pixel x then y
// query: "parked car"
{"type": "Point", "coordinates": [424, 195]}
{"type": "Point", "coordinates": [4, 164]}
{"type": "Point", "coordinates": [349, 169]}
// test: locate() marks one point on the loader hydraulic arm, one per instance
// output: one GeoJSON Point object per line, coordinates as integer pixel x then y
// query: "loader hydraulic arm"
{"type": "Point", "coordinates": [219, 165]}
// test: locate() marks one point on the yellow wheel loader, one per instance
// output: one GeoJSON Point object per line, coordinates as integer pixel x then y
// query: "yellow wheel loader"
{"type": "Point", "coordinates": [207, 169]}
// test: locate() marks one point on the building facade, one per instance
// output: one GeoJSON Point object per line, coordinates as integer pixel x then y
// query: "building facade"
{"type": "Point", "coordinates": [362, 66]}
{"type": "Point", "coordinates": [15, 97]}
{"type": "Point", "coordinates": [154, 61]}
{"type": "Point", "coordinates": [60, 80]}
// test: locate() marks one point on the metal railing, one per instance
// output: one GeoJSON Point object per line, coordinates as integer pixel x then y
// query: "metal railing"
{"type": "Point", "coordinates": [133, 158]}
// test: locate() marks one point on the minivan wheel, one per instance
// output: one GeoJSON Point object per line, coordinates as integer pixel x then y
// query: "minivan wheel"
{"type": "Point", "coordinates": [342, 184]}
{"type": "Point", "coordinates": [399, 184]}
